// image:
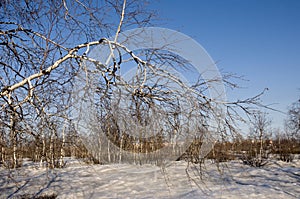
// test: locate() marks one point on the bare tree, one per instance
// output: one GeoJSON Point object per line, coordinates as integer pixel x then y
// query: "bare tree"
{"type": "Point", "coordinates": [293, 121]}
{"type": "Point", "coordinates": [43, 46]}
{"type": "Point", "coordinates": [47, 48]}
{"type": "Point", "coordinates": [260, 134]}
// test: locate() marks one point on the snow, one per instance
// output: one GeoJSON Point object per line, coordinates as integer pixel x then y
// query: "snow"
{"type": "Point", "coordinates": [177, 180]}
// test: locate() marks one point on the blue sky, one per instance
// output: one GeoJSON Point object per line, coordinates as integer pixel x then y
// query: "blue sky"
{"type": "Point", "coordinates": [258, 39]}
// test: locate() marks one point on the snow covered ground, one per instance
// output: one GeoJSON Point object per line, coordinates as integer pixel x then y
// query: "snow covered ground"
{"type": "Point", "coordinates": [231, 180]}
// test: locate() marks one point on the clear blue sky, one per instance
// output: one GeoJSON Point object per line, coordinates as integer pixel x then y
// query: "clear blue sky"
{"type": "Point", "coordinates": [259, 39]}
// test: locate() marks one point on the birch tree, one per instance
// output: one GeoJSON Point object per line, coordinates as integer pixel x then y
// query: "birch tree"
{"type": "Point", "coordinates": [293, 121]}
{"type": "Point", "coordinates": [45, 46]}
{"type": "Point", "coordinates": [42, 46]}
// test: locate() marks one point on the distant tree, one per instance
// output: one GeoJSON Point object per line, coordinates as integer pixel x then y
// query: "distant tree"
{"type": "Point", "coordinates": [260, 134]}
{"type": "Point", "coordinates": [260, 129]}
{"type": "Point", "coordinates": [293, 121]}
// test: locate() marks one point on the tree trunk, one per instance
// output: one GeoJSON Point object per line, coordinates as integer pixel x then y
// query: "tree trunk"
{"type": "Point", "coordinates": [261, 144]}
{"type": "Point", "coordinates": [121, 148]}
{"type": "Point", "coordinates": [62, 149]}
{"type": "Point", "coordinates": [51, 150]}
{"type": "Point", "coordinates": [13, 133]}
{"type": "Point", "coordinates": [43, 150]}
{"type": "Point", "coordinates": [108, 148]}
{"type": "Point", "coordinates": [2, 154]}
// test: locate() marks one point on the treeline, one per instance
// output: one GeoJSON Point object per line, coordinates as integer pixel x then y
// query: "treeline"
{"type": "Point", "coordinates": [50, 150]}
{"type": "Point", "coordinates": [47, 150]}
{"type": "Point", "coordinates": [249, 151]}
